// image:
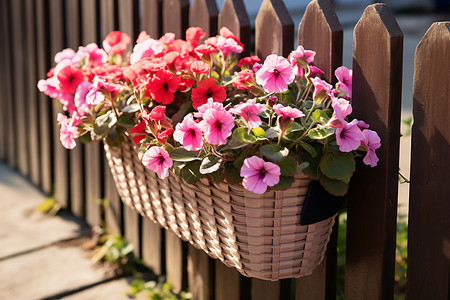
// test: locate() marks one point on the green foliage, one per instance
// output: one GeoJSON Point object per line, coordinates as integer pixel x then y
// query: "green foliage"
{"type": "Point", "coordinates": [157, 290]}
{"type": "Point", "coordinates": [274, 152]}
{"type": "Point", "coordinates": [49, 206]}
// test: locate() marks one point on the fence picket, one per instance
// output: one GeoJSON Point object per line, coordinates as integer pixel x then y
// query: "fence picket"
{"type": "Point", "coordinates": [176, 262]}
{"type": "Point", "coordinates": [227, 282]}
{"type": "Point", "coordinates": [200, 269]}
{"type": "Point", "coordinates": [429, 224]}
{"type": "Point", "coordinates": [151, 18]}
{"type": "Point", "coordinates": [372, 203]}
{"type": "Point", "coordinates": [175, 17]}
{"type": "Point", "coordinates": [233, 15]}
{"type": "Point", "coordinates": [274, 29]}
{"type": "Point", "coordinates": [7, 106]}
{"type": "Point", "coordinates": [93, 151]}
{"type": "Point", "coordinates": [45, 103]}
{"type": "Point", "coordinates": [204, 14]}
{"type": "Point", "coordinates": [152, 245]}
{"type": "Point", "coordinates": [19, 82]}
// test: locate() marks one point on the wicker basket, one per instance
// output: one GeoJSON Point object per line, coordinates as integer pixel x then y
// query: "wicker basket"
{"type": "Point", "coordinates": [259, 235]}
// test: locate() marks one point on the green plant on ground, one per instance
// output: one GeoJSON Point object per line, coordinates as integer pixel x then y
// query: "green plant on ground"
{"type": "Point", "coordinates": [49, 206]}
{"type": "Point", "coordinates": [157, 290]}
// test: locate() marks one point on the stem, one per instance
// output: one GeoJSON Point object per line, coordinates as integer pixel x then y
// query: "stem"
{"type": "Point", "coordinates": [310, 111]}
{"type": "Point", "coordinates": [306, 93]}
{"type": "Point", "coordinates": [213, 147]}
{"type": "Point", "coordinates": [303, 136]}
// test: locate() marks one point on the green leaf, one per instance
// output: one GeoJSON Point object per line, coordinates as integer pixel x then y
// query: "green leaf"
{"type": "Point", "coordinates": [210, 164]}
{"type": "Point", "coordinates": [181, 154]}
{"type": "Point", "coordinates": [320, 96]}
{"type": "Point", "coordinates": [273, 133]}
{"type": "Point", "coordinates": [103, 124]}
{"type": "Point", "coordinates": [218, 176]}
{"type": "Point", "coordinates": [310, 149]}
{"type": "Point", "coordinates": [126, 121]}
{"type": "Point", "coordinates": [338, 165]}
{"type": "Point", "coordinates": [131, 108]}
{"type": "Point", "coordinates": [85, 138]}
{"type": "Point", "coordinates": [288, 166]}
{"type": "Point", "coordinates": [240, 138]}
{"type": "Point", "coordinates": [294, 127]}
{"type": "Point", "coordinates": [259, 132]}
{"type": "Point", "coordinates": [320, 133]}
{"type": "Point", "coordinates": [190, 173]}
{"type": "Point", "coordinates": [312, 170]}
{"type": "Point", "coordinates": [320, 116]}
{"type": "Point", "coordinates": [284, 183]}
{"type": "Point", "coordinates": [232, 174]}
{"type": "Point", "coordinates": [274, 152]}
{"type": "Point", "coordinates": [302, 167]}
{"type": "Point", "coordinates": [334, 186]}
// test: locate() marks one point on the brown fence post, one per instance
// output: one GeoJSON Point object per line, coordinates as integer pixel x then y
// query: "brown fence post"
{"type": "Point", "coordinates": [151, 20]}
{"type": "Point", "coordinates": [93, 151]}
{"type": "Point", "coordinates": [372, 197]}
{"type": "Point", "coordinates": [321, 31]}
{"type": "Point", "coordinates": [233, 15]}
{"type": "Point", "coordinates": [204, 14]}
{"type": "Point", "coordinates": [175, 17]}
{"type": "Point", "coordinates": [429, 206]}
{"type": "Point", "coordinates": [274, 29]}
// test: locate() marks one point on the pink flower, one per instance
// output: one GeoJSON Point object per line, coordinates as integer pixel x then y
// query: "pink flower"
{"type": "Point", "coordinates": [157, 160]}
{"type": "Point", "coordinates": [315, 72]}
{"type": "Point", "coordinates": [210, 104]}
{"type": "Point", "coordinates": [167, 38]}
{"type": "Point", "coordinates": [68, 54]}
{"type": "Point", "coordinates": [216, 126]}
{"type": "Point", "coordinates": [116, 42]}
{"type": "Point", "coordinates": [371, 141]}
{"type": "Point", "coordinates": [95, 95]}
{"type": "Point", "coordinates": [344, 76]}
{"type": "Point", "coordinates": [143, 36]}
{"type": "Point", "coordinates": [349, 137]}
{"type": "Point", "coordinates": [275, 74]}
{"type": "Point", "coordinates": [189, 134]}
{"type": "Point", "coordinates": [300, 53]}
{"type": "Point", "coordinates": [258, 174]}
{"type": "Point", "coordinates": [342, 109]}
{"type": "Point", "coordinates": [228, 45]}
{"type": "Point", "coordinates": [69, 78]}
{"type": "Point", "coordinates": [68, 132]}
{"type": "Point", "coordinates": [286, 115]}
{"type": "Point", "coordinates": [49, 87]}
{"type": "Point", "coordinates": [80, 98]}
{"type": "Point", "coordinates": [146, 49]}
{"type": "Point", "coordinates": [93, 54]}
{"type": "Point", "coordinates": [256, 67]}
{"type": "Point", "coordinates": [249, 112]}
{"type": "Point", "coordinates": [199, 67]}
{"type": "Point", "coordinates": [319, 85]}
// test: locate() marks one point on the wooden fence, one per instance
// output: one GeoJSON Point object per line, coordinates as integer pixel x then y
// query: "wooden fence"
{"type": "Point", "coordinates": [33, 31]}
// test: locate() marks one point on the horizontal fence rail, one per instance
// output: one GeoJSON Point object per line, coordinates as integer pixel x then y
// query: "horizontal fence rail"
{"type": "Point", "coordinates": [81, 180]}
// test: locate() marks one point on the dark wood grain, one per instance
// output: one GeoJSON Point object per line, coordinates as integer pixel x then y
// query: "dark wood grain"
{"type": "Point", "coordinates": [429, 222]}
{"type": "Point", "coordinates": [227, 282]}
{"type": "Point", "coordinates": [274, 29]}
{"type": "Point", "coordinates": [108, 17]}
{"type": "Point", "coordinates": [200, 269]}
{"type": "Point", "coordinates": [372, 197]}
{"type": "Point", "coordinates": [233, 15]}
{"type": "Point", "coordinates": [176, 17]}
{"type": "Point", "coordinates": [152, 245]}
{"type": "Point", "coordinates": [18, 36]}
{"type": "Point", "coordinates": [265, 290]}
{"type": "Point", "coordinates": [151, 19]}
{"type": "Point", "coordinates": [176, 262]}
{"type": "Point", "coordinates": [93, 162]}
{"type": "Point", "coordinates": [204, 14]}
{"type": "Point", "coordinates": [31, 93]}
{"type": "Point", "coordinates": [45, 103]}
{"type": "Point", "coordinates": [321, 31]}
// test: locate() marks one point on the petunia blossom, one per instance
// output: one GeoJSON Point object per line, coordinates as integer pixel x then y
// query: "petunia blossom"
{"type": "Point", "coordinates": [210, 104]}
{"type": "Point", "coordinates": [216, 126]}
{"type": "Point", "coordinates": [199, 67]}
{"type": "Point", "coordinates": [95, 95]}
{"type": "Point", "coordinates": [249, 112]}
{"type": "Point", "coordinates": [349, 137]}
{"type": "Point", "coordinates": [80, 98]}
{"type": "Point", "coordinates": [157, 160]}
{"type": "Point", "coordinates": [300, 53]}
{"type": "Point", "coordinates": [344, 76]}
{"type": "Point", "coordinates": [69, 78]}
{"type": "Point", "coordinates": [286, 115]}
{"type": "Point", "coordinates": [342, 109]}
{"type": "Point", "coordinates": [147, 48]}
{"type": "Point", "coordinates": [320, 85]}
{"type": "Point", "coordinates": [259, 174]}
{"type": "Point", "coordinates": [162, 86]}
{"type": "Point", "coordinates": [228, 45]}
{"type": "Point", "coordinates": [275, 74]}
{"type": "Point", "coordinates": [371, 141]}
{"type": "Point", "coordinates": [92, 54]}
{"type": "Point", "coordinates": [207, 88]}
{"type": "Point", "coordinates": [189, 134]}
{"type": "Point", "coordinates": [68, 132]}
{"type": "Point", "coordinates": [116, 42]}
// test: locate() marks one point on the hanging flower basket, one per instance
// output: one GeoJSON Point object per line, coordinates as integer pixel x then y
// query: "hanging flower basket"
{"type": "Point", "coordinates": [220, 151]}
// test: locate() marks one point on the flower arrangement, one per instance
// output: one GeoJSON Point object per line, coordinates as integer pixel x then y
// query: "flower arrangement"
{"type": "Point", "coordinates": [196, 110]}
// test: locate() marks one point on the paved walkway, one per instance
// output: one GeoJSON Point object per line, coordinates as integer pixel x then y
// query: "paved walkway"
{"type": "Point", "coordinates": [41, 256]}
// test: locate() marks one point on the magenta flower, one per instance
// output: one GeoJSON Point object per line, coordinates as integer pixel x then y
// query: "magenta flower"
{"type": "Point", "coordinates": [319, 85]}
{"type": "Point", "coordinates": [80, 98]}
{"type": "Point", "coordinates": [157, 160]}
{"type": "Point", "coordinates": [216, 126]}
{"type": "Point", "coordinates": [92, 54]}
{"type": "Point", "coordinates": [211, 104]}
{"type": "Point", "coordinates": [68, 132]}
{"type": "Point", "coordinates": [275, 74]}
{"type": "Point", "coordinates": [95, 95]}
{"type": "Point", "coordinates": [300, 53]}
{"type": "Point", "coordinates": [68, 54]}
{"type": "Point", "coordinates": [249, 112]}
{"type": "Point", "coordinates": [344, 76]}
{"type": "Point", "coordinates": [189, 134]}
{"type": "Point", "coordinates": [286, 115]}
{"type": "Point", "coordinates": [228, 45]}
{"type": "Point", "coordinates": [146, 49]}
{"type": "Point", "coordinates": [258, 174]}
{"type": "Point", "coordinates": [349, 137]}
{"type": "Point", "coordinates": [371, 141]}
{"type": "Point", "coordinates": [342, 109]}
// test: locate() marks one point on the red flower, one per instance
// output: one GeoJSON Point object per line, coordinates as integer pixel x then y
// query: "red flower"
{"type": "Point", "coordinates": [248, 61]}
{"type": "Point", "coordinates": [205, 49]}
{"type": "Point", "coordinates": [193, 35]}
{"type": "Point", "coordinates": [109, 72]}
{"type": "Point", "coordinates": [138, 132]}
{"type": "Point", "coordinates": [244, 80]}
{"type": "Point", "coordinates": [207, 88]}
{"type": "Point", "coordinates": [116, 42]}
{"type": "Point", "coordinates": [162, 86]}
{"type": "Point", "coordinates": [69, 78]}
{"type": "Point", "coordinates": [162, 136]}
{"type": "Point", "coordinates": [226, 33]}
{"type": "Point", "coordinates": [157, 113]}
{"type": "Point", "coordinates": [199, 67]}
{"type": "Point", "coordinates": [185, 83]}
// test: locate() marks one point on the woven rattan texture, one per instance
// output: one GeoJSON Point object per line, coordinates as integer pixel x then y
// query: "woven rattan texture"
{"type": "Point", "coordinates": [259, 235]}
